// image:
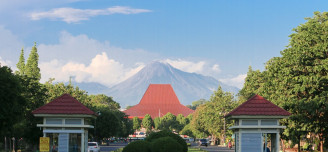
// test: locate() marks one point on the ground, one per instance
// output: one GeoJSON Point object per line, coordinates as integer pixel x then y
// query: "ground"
{"type": "Point", "coordinates": [114, 146]}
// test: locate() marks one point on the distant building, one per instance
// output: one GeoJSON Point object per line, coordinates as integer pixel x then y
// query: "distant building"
{"type": "Point", "coordinates": [158, 100]}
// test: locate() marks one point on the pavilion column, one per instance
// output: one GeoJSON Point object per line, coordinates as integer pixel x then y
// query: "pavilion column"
{"type": "Point", "coordinates": [277, 142]}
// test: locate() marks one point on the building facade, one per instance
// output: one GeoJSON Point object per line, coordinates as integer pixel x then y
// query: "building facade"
{"type": "Point", "coordinates": [66, 123]}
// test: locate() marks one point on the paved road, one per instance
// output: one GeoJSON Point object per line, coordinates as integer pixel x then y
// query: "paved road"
{"type": "Point", "coordinates": [216, 149]}
{"type": "Point", "coordinates": [112, 147]}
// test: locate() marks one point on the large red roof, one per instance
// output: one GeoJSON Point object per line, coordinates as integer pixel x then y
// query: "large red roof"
{"type": "Point", "coordinates": [158, 100]}
{"type": "Point", "coordinates": [257, 105]}
{"type": "Point", "coordinates": [64, 104]}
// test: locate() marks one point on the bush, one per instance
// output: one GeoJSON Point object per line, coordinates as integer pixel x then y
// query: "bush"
{"type": "Point", "coordinates": [166, 144]}
{"type": "Point", "coordinates": [165, 133]}
{"type": "Point", "coordinates": [137, 146]}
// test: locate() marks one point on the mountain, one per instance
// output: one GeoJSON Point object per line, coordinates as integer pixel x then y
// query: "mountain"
{"type": "Point", "coordinates": [188, 87]}
{"type": "Point", "coordinates": [91, 87]}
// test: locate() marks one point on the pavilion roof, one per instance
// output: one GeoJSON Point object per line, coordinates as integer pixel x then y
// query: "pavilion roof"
{"type": "Point", "coordinates": [256, 106]}
{"type": "Point", "coordinates": [64, 104]}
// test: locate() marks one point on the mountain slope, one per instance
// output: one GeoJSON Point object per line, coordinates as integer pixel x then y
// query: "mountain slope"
{"type": "Point", "coordinates": [188, 87]}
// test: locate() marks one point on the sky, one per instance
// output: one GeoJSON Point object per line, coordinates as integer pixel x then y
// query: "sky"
{"type": "Point", "coordinates": [108, 41]}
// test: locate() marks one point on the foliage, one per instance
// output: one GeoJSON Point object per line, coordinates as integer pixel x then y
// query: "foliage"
{"type": "Point", "coordinates": [197, 103]}
{"type": "Point", "coordinates": [166, 144]}
{"type": "Point", "coordinates": [11, 101]}
{"type": "Point", "coordinates": [298, 80]}
{"type": "Point", "coordinates": [168, 121]}
{"type": "Point", "coordinates": [21, 64]}
{"type": "Point", "coordinates": [136, 123]}
{"type": "Point", "coordinates": [32, 69]}
{"type": "Point", "coordinates": [147, 122]}
{"type": "Point", "coordinates": [209, 118]}
{"type": "Point", "coordinates": [166, 133]}
{"type": "Point", "coordinates": [137, 146]}
{"type": "Point", "coordinates": [157, 122]}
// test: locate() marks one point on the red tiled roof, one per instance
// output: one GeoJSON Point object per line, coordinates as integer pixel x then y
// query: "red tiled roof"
{"type": "Point", "coordinates": [64, 104]}
{"type": "Point", "coordinates": [158, 100]}
{"type": "Point", "coordinates": [257, 105]}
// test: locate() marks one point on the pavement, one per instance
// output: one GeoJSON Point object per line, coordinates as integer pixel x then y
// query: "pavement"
{"type": "Point", "coordinates": [114, 146]}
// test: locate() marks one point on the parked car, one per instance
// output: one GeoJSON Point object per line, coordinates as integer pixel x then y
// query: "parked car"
{"type": "Point", "coordinates": [93, 147]}
{"type": "Point", "coordinates": [203, 142]}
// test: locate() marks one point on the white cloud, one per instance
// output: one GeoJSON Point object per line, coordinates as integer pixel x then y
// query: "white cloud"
{"type": "Point", "coordinates": [200, 67]}
{"type": "Point", "coordinates": [82, 49]}
{"type": "Point", "coordinates": [101, 69]}
{"type": "Point", "coordinates": [73, 15]}
{"type": "Point", "coordinates": [3, 63]}
{"type": "Point", "coordinates": [187, 66]}
{"type": "Point", "coordinates": [237, 81]}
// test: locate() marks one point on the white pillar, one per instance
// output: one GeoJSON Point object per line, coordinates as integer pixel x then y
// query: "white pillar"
{"type": "Point", "coordinates": [82, 141]}
{"type": "Point", "coordinates": [277, 142]}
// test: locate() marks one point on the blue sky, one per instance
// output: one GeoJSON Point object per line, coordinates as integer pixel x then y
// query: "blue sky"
{"type": "Point", "coordinates": [111, 39]}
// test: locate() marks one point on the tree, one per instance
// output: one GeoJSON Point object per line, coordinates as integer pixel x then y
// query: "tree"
{"type": "Point", "coordinates": [195, 104]}
{"type": "Point", "coordinates": [298, 80]}
{"type": "Point", "coordinates": [21, 63]}
{"type": "Point", "coordinates": [136, 123]}
{"type": "Point", "coordinates": [182, 122]}
{"type": "Point", "coordinates": [11, 101]}
{"type": "Point", "coordinates": [169, 122]}
{"type": "Point", "coordinates": [209, 118]}
{"type": "Point", "coordinates": [32, 69]}
{"type": "Point", "coordinates": [157, 122]}
{"type": "Point", "coordinates": [147, 122]}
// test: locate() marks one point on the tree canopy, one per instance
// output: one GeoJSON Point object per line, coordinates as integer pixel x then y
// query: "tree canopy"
{"type": "Point", "coordinates": [298, 80]}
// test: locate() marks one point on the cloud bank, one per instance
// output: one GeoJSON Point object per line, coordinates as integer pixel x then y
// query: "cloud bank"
{"type": "Point", "coordinates": [101, 69]}
{"type": "Point", "coordinates": [73, 15]}
{"type": "Point", "coordinates": [237, 81]}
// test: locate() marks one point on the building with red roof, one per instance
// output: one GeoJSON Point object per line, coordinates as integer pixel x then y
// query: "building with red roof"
{"type": "Point", "coordinates": [258, 106]}
{"type": "Point", "coordinates": [158, 100]}
{"type": "Point", "coordinates": [64, 105]}
{"type": "Point", "coordinates": [66, 123]}
{"type": "Point", "coordinates": [255, 121]}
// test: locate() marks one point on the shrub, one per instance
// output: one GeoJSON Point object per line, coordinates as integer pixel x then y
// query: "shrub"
{"type": "Point", "coordinates": [137, 146]}
{"type": "Point", "coordinates": [166, 133]}
{"type": "Point", "coordinates": [166, 144]}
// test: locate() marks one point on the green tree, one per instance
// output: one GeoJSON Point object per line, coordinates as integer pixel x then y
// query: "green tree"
{"type": "Point", "coordinates": [168, 121]}
{"type": "Point", "coordinates": [298, 80]}
{"type": "Point", "coordinates": [32, 69]}
{"type": "Point", "coordinates": [182, 122]}
{"type": "Point", "coordinates": [195, 104]}
{"type": "Point", "coordinates": [136, 123]}
{"type": "Point", "coordinates": [157, 122]}
{"type": "Point", "coordinates": [147, 122]}
{"type": "Point", "coordinates": [35, 96]}
{"type": "Point", "coordinates": [210, 116]}
{"type": "Point", "coordinates": [21, 63]}
{"type": "Point", "coordinates": [11, 101]}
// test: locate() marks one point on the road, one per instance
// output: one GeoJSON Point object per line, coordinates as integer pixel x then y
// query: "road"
{"type": "Point", "coordinates": [216, 149]}
{"type": "Point", "coordinates": [114, 146]}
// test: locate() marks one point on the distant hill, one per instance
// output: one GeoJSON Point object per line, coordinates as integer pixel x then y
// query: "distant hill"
{"type": "Point", "coordinates": [188, 87]}
{"type": "Point", "coordinates": [91, 87]}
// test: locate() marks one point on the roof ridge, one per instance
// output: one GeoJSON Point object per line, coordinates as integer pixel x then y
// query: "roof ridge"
{"type": "Point", "coordinates": [240, 110]}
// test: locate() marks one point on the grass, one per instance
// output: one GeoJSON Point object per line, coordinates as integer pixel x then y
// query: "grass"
{"type": "Point", "coordinates": [196, 150]}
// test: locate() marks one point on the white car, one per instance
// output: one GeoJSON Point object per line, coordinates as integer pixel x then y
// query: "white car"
{"type": "Point", "coordinates": [93, 147]}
